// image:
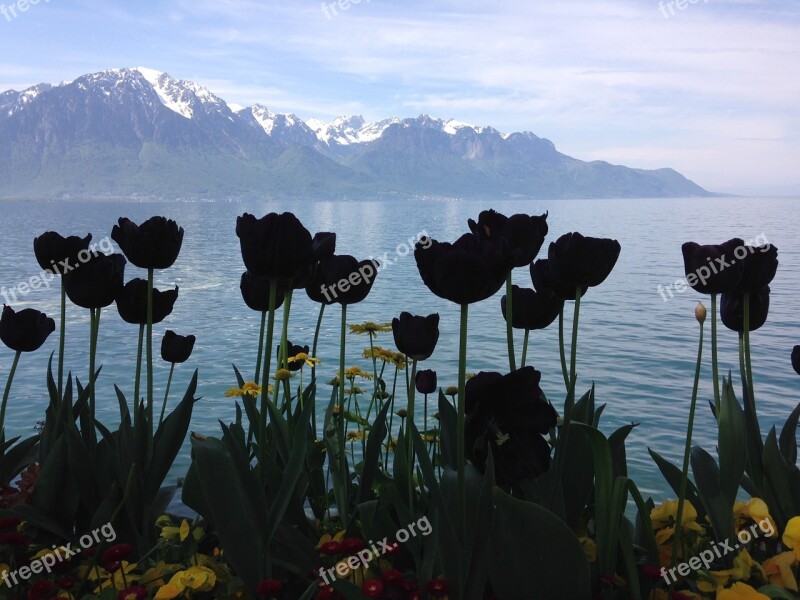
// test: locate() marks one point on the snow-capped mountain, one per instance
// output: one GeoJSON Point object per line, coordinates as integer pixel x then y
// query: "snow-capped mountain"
{"type": "Point", "coordinates": [141, 131]}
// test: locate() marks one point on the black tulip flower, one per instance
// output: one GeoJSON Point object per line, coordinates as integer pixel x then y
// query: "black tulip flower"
{"type": "Point", "coordinates": [342, 279]}
{"type": "Point", "coordinates": [522, 234]}
{"type": "Point", "coordinates": [576, 260]}
{"type": "Point", "coordinates": [509, 414]}
{"type": "Point", "coordinates": [532, 310]}
{"type": "Point", "coordinates": [425, 381]}
{"type": "Point", "coordinates": [26, 330]}
{"type": "Point", "coordinates": [466, 271]}
{"type": "Point", "coordinates": [97, 282]}
{"type": "Point", "coordinates": [255, 292]}
{"type": "Point", "coordinates": [712, 269]}
{"type": "Point", "coordinates": [796, 359]}
{"type": "Point", "coordinates": [276, 246]}
{"type": "Point", "coordinates": [132, 302]}
{"type": "Point", "coordinates": [731, 309]}
{"type": "Point", "coordinates": [544, 281]}
{"type": "Point", "coordinates": [293, 350]}
{"type": "Point", "coordinates": [155, 244]}
{"type": "Point", "coordinates": [176, 348]}
{"type": "Point", "coordinates": [760, 266]}
{"type": "Point", "coordinates": [57, 254]}
{"type": "Point", "coordinates": [416, 336]}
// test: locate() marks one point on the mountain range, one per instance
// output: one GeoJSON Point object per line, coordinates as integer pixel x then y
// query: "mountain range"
{"type": "Point", "coordinates": [141, 133]}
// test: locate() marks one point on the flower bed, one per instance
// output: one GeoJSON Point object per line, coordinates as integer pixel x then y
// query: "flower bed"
{"type": "Point", "coordinates": [500, 493]}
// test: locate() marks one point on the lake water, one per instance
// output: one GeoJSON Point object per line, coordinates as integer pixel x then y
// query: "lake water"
{"type": "Point", "coordinates": [638, 348]}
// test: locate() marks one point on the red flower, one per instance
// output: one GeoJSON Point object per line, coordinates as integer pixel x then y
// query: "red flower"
{"type": "Point", "coordinates": [135, 592]}
{"type": "Point", "coordinates": [112, 567]}
{"type": "Point", "coordinates": [392, 577]}
{"type": "Point", "coordinates": [437, 588]}
{"type": "Point", "coordinates": [41, 590]}
{"type": "Point", "coordinates": [652, 572]}
{"type": "Point", "coordinates": [352, 545]}
{"type": "Point", "coordinates": [9, 523]}
{"type": "Point", "coordinates": [372, 588]}
{"type": "Point", "coordinates": [331, 548]}
{"type": "Point", "coordinates": [409, 586]}
{"type": "Point", "coordinates": [13, 538]}
{"type": "Point", "coordinates": [328, 593]}
{"type": "Point", "coordinates": [393, 549]}
{"type": "Point", "coordinates": [269, 587]}
{"type": "Point", "coordinates": [117, 553]}
{"type": "Point", "coordinates": [66, 583]}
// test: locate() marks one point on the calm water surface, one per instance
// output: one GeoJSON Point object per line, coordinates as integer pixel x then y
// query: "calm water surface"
{"type": "Point", "coordinates": [636, 347]}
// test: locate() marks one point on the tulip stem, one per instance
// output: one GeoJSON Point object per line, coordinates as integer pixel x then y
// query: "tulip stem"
{"type": "Point", "coordinates": [283, 358]}
{"type": "Point", "coordinates": [512, 361]}
{"type": "Point", "coordinates": [460, 442]}
{"type": "Point", "coordinates": [138, 374]}
{"type": "Point", "coordinates": [524, 348]}
{"type": "Point", "coordinates": [748, 364]}
{"type": "Point", "coordinates": [166, 394]}
{"type": "Point", "coordinates": [260, 346]}
{"type": "Point", "coordinates": [714, 364]}
{"type": "Point", "coordinates": [149, 416]}
{"type": "Point", "coordinates": [409, 420]}
{"type": "Point", "coordinates": [63, 331]}
{"type": "Point", "coordinates": [314, 366]}
{"type": "Point", "coordinates": [676, 543]}
{"type": "Point", "coordinates": [374, 378]}
{"type": "Point", "coordinates": [6, 394]}
{"type": "Point", "coordinates": [94, 328]}
{"type": "Point", "coordinates": [345, 476]}
{"type": "Point", "coordinates": [262, 429]}
{"type": "Point", "coordinates": [561, 347]}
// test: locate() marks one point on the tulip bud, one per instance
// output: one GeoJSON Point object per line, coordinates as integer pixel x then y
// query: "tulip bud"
{"type": "Point", "coordinates": [700, 313]}
{"type": "Point", "coordinates": [402, 413]}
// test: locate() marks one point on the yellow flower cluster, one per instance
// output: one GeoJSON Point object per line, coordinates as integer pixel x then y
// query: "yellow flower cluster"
{"type": "Point", "coordinates": [734, 583]}
{"type": "Point", "coordinates": [398, 359]}
{"type": "Point", "coordinates": [251, 388]}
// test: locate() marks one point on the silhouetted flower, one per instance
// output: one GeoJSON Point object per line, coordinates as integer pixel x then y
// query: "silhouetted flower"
{"type": "Point", "coordinates": [155, 244]}
{"type": "Point", "coordinates": [731, 309]}
{"type": "Point", "coordinates": [426, 381]}
{"type": "Point", "coordinates": [796, 359]}
{"type": "Point", "coordinates": [466, 271]}
{"type": "Point", "coordinates": [176, 348]}
{"type": "Point", "coordinates": [255, 292]}
{"type": "Point", "coordinates": [132, 302]}
{"type": "Point", "coordinates": [57, 254]}
{"type": "Point", "coordinates": [523, 234]}
{"type": "Point", "coordinates": [576, 260]}
{"type": "Point", "coordinates": [269, 588]}
{"type": "Point", "coordinates": [416, 336]}
{"type": "Point", "coordinates": [293, 350]}
{"type": "Point", "coordinates": [760, 266]}
{"type": "Point", "coordinates": [97, 282]}
{"type": "Point", "coordinates": [508, 413]}
{"type": "Point", "coordinates": [532, 310]}
{"type": "Point", "coordinates": [278, 246]}
{"type": "Point", "coordinates": [26, 330]}
{"type": "Point", "coordinates": [712, 269]}
{"type": "Point", "coordinates": [543, 280]}
{"type": "Point", "coordinates": [342, 279]}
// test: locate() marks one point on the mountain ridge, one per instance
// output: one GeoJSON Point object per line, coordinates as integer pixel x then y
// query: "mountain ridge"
{"type": "Point", "coordinates": [140, 132]}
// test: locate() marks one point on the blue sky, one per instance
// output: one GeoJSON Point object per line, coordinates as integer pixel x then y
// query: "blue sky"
{"type": "Point", "coordinates": [708, 87]}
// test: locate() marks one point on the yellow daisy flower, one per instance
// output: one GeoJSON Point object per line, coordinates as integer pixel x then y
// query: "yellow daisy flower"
{"type": "Point", "coordinates": [302, 356]}
{"type": "Point", "coordinates": [373, 329]}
